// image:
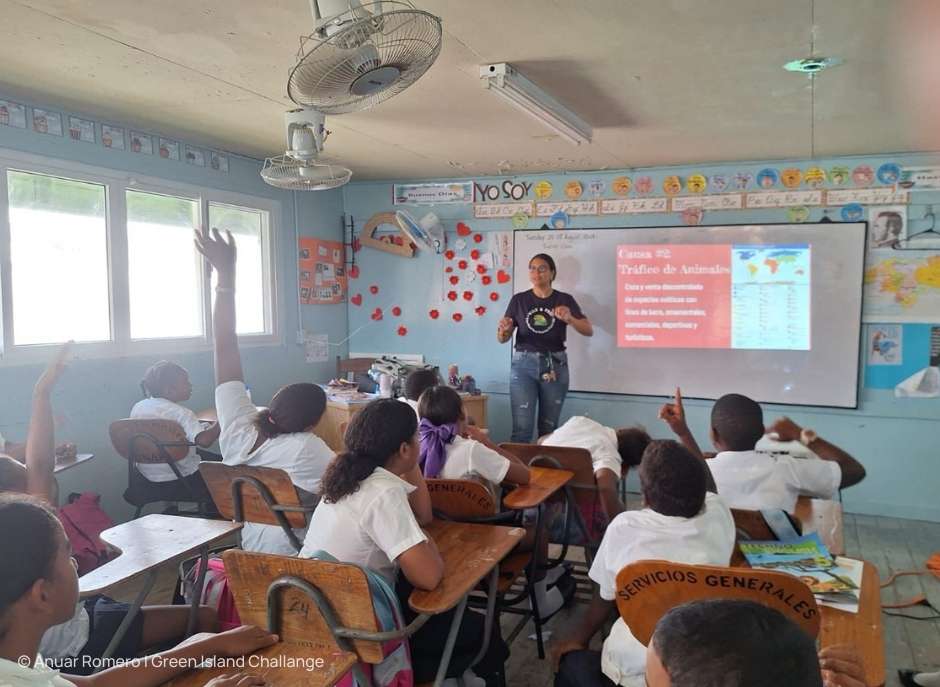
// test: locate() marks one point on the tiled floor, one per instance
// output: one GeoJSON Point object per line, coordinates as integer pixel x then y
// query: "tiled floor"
{"type": "Point", "coordinates": [889, 543]}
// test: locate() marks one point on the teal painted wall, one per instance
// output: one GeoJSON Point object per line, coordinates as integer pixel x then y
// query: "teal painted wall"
{"type": "Point", "coordinates": [896, 439]}
{"type": "Point", "coordinates": [96, 391]}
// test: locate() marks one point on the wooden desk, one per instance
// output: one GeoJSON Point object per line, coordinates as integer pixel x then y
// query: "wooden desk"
{"type": "Point", "coordinates": [543, 482]}
{"type": "Point", "coordinates": [63, 465]}
{"type": "Point", "coordinates": [825, 517]}
{"type": "Point", "coordinates": [146, 544]}
{"type": "Point", "coordinates": [470, 552]}
{"type": "Point", "coordinates": [338, 412]}
{"type": "Point", "coordinates": [863, 630]}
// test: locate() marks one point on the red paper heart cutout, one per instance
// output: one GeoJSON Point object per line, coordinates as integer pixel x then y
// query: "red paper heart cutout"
{"type": "Point", "coordinates": [377, 314]}
{"type": "Point", "coordinates": [449, 254]}
{"type": "Point", "coordinates": [373, 289]}
{"type": "Point", "coordinates": [481, 269]}
{"type": "Point", "coordinates": [454, 280]}
{"type": "Point", "coordinates": [494, 296]}
{"type": "Point", "coordinates": [448, 269]}
{"type": "Point", "coordinates": [474, 254]}
{"type": "Point", "coordinates": [452, 295]}
{"type": "Point", "coordinates": [462, 264]}
{"type": "Point", "coordinates": [480, 310]}
{"type": "Point", "coordinates": [457, 317]}
{"type": "Point", "coordinates": [396, 311]}
{"type": "Point", "coordinates": [503, 277]}
{"type": "Point", "coordinates": [487, 280]}
{"type": "Point", "coordinates": [477, 238]}
{"type": "Point", "coordinates": [357, 299]}
{"type": "Point", "coordinates": [402, 331]}
{"type": "Point", "coordinates": [463, 229]}
{"type": "Point", "coordinates": [434, 314]}
{"type": "Point", "coordinates": [468, 295]}
{"type": "Point", "coordinates": [354, 272]}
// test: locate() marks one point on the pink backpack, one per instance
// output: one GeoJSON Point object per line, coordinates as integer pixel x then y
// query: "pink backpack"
{"type": "Point", "coordinates": [84, 521]}
{"type": "Point", "coordinates": [215, 592]}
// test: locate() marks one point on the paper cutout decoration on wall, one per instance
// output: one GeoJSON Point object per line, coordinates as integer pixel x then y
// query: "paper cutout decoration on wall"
{"type": "Point", "coordinates": [449, 254]}
{"type": "Point", "coordinates": [596, 187]}
{"type": "Point", "coordinates": [692, 216]}
{"type": "Point", "coordinates": [322, 272]}
{"type": "Point", "coordinates": [143, 144]}
{"type": "Point", "coordinates": [543, 189]}
{"type": "Point", "coordinates": [463, 229]}
{"type": "Point", "coordinates": [742, 180]}
{"type": "Point", "coordinates": [377, 314]}
{"type": "Point", "coordinates": [368, 238]}
{"type": "Point", "coordinates": [402, 330]}
{"type": "Point", "coordinates": [798, 214]}
{"type": "Point", "coordinates": [374, 289]}
{"type": "Point", "coordinates": [644, 185]}
{"type": "Point", "coordinates": [767, 178]}
{"type": "Point", "coordinates": [475, 254]}
{"type": "Point", "coordinates": [672, 185]}
{"type": "Point", "coordinates": [396, 311]}
{"type": "Point", "coordinates": [889, 173]}
{"type": "Point", "coordinates": [486, 280]}
{"type": "Point", "coordinates": [503, 277]}
{"type": "Point", "coordinates": [718, 183]}
{"type": "Point", "coordinates": [696, 183]}
{"type": "Point", "coordinates": [457, 317]}
{"type": "Point", "coordinates": [462, 264]}
{"type": "Point", "coordinates": [354, 272]}
{"type": "Point", "coordinates": [452, 295]}
{"type": "Point", "coordinates": [621, 186]}
{"type": "Point", "coordinates": [434, 314]}
{"type": "Point", "coordinates": [356, 299]}
{"type": "Point", "coordinates": [46, 122]}
{"type": "Point", "coordinates": [815, 177]}
{"type": "Point", "coordinates": [12, 114]}
{"type": "Point", "coordinates": [863, 175]}
{"type": "Point", "coordinates": [169, 150]}
{"type": "Point", "coordinates": [480, 310]}
{"type": "Point", "coordinates": [477, 238]}
{"type": "Point", "coordinates": [454, 280]}
{"type": "Point", "coordinates": [494, 296]}
{"type": "Point", "coordinates": [839, 175]}
{"type": "Point", "coordinates": [573, 190]}
{"type": "Point", "coordinates": [852, 212]}
{"type": "Point", "coordinates": [559, 220]}
{"type": "Point", "coordinates": [791, 177]}
{"type": "Point", "coordinates": [520, 220]}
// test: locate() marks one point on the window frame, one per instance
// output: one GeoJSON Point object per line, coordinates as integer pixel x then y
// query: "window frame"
{"type": "Point", "coordinates": [116, 183]}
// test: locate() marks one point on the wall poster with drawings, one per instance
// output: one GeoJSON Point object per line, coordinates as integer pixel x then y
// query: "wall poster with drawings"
{"type": "Point", "coordinates": [322, 271]}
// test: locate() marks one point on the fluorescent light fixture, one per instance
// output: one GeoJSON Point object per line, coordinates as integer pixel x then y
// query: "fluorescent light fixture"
{"type": "Point", "coordinates": [503, 80]}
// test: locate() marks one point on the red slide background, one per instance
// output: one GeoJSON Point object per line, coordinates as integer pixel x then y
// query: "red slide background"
{"type": "Point", "coordinates": [640, 277]}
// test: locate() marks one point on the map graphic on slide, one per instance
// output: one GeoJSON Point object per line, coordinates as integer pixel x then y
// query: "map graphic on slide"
{"type": "Point", "coordinates": [714, 296]}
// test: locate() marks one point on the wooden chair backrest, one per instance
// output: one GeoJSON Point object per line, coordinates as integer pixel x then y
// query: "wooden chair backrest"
{"type": "Point", "coordinates": [577, 460]}
{"type": "Point", "coordinates": [140, 440]}
{"type": "Point", "coordinates": [356, 365]}
{"type": "Point", "coordinates": [346, 587]}
{"type": "Point", "coordinates": [219, 479]}
{"type": "Point", "coordinates": [461, 498]}
{"type": "Point", "coordinates": [647, 590]}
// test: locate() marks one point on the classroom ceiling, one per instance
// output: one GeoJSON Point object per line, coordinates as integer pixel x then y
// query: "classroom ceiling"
{"type": "Point", "coordinates": [662, 81]}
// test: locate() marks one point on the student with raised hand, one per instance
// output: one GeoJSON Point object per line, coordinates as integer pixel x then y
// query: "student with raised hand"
{"type": "Point", "coordinates": [751, 479]}
{"type": "Point", "coordinates": [281, 436]}
{"type": "Point", "coordinates": [39, 589]}
{"type": "Point", "coordinates": [683, 521]}
{"type": "Point", "coordinates": [36, 476]}
{"type": "Point", "coordinates": [166, 386]}
{"type": "Point", "coordinates": [374, 502]}
{"type": "Point", "coordinates": [733, 643]}
{"type": "Point", "coordinates": [453, 449]}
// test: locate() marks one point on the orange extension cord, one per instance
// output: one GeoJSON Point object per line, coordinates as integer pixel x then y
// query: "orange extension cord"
{"type": "Point", "coordinates": [932, 568]}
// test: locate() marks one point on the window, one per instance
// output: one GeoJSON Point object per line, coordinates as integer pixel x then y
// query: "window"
{"type": "Point", "coordinates": [164, 269]}
{"type": "Point", "coordinates": [59, 257]}
{"type": "Point", "coordinates": [252, 295]}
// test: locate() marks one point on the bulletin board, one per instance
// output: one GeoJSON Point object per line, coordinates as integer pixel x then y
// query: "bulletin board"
{"type": "Point", "coordinates": [322, 271]}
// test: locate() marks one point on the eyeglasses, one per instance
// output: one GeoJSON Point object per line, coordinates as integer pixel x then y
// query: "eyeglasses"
{"type": "Point", "coordinates": [541, 269]}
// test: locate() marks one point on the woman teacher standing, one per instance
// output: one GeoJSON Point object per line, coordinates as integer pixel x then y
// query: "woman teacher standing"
{"type": "Point", "coordinates": [540, 317]}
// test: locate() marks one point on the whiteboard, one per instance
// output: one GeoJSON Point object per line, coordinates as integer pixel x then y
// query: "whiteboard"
{"type": "Point", "coordinates": [781, 324]}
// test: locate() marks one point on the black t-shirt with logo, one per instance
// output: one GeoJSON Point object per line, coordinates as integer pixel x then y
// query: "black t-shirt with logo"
{"type": "Point", "coordinates": [537, 328]}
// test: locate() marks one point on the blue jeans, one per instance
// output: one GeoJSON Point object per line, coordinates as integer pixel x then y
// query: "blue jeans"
{"type": "Point", "coordinates": [527, 388]}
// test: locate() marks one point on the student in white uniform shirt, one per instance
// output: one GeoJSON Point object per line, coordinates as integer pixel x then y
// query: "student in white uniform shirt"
{"type": "Point", "coordinates": [613, 453]}
{"type": "Point", "coordinates": [166, 386]}
{"type": "Point", "coordinates": [416, 383]}
{"type": "Point", "coordinates": [39, 589]}
{"type": "Point", "coordinates": [374, 502]}
{"type": "Point", "coordinates": [684, 521]}
{"type": "Point", "coordinates": [753, 480]}
{"type": "Point", "coordinates": [280, 436]}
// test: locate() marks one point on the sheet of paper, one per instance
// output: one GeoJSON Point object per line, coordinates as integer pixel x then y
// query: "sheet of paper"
{"type": "Point", "coordinates": [316, 348]}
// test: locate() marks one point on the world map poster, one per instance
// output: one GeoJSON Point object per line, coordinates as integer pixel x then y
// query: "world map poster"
{"type": "Point", "coordinates": [902, 286]}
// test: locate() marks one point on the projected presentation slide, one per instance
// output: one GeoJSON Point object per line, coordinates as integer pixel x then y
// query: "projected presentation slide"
{"type": "Point", "coordinates": [714, 296]}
